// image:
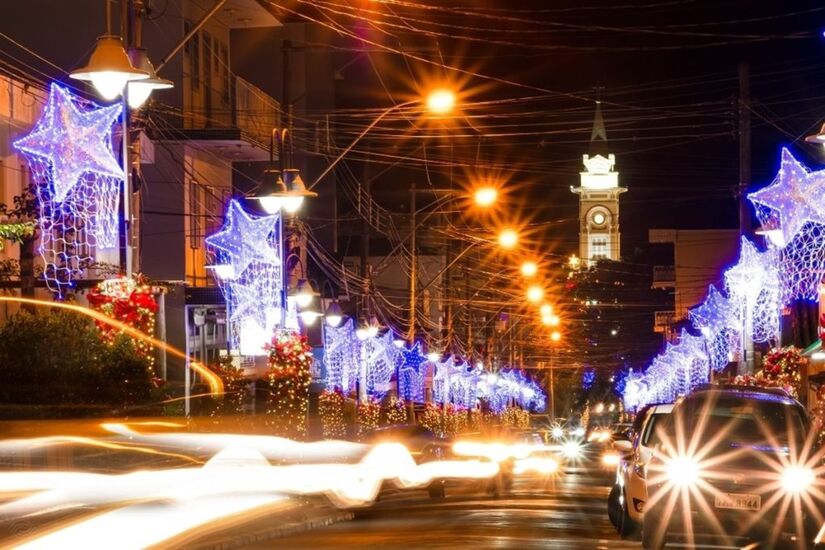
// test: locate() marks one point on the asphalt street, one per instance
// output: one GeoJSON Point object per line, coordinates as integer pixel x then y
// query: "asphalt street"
{"type": "Point", "coordinates": [567, 511]}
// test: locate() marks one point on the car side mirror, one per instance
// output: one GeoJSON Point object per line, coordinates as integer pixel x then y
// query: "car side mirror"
{"type": "Point", "coordinates": [623, 445]}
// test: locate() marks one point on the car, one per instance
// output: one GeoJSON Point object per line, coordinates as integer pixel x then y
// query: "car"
{"type": "Point", "coordinates": [423, 445]}
{"type": "Point", "coordinates": [735, 465]}
{"type": "Point", "coordinates": [629, 493]}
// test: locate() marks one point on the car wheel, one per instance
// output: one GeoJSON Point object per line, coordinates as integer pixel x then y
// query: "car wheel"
{"type": "Point", "coordinates": [613, 506]}
{"type": "Point", "coordinates": [653, 534]}
{"type": "Point", "coordinates": [627, 527]}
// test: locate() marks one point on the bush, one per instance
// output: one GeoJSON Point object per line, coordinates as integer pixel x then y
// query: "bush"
{"type": "Point", "coordinates": [59, 359]}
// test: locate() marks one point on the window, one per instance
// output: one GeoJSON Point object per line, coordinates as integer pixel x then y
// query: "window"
{"type": "Point", "coordinates": [599, 248]}
{"type": "Point", "coordinates": [225, 72]}
{"type": "Point", "coordinates": [196, 214]}
{"type": "Point", "coordinates": [195, 61]}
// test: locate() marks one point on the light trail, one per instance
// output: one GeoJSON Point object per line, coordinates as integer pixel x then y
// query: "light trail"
{"type": "Point", "coordinates": [152, 506]}
{"type": "Point", "coordinates": [213, 380]}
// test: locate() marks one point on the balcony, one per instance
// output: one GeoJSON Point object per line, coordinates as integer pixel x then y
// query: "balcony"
{"type": "Point", "coordinates": [664, 276]}
{"type": "Point", "coordinates": [663, 321]}
{"type": "Point", "coordinates": [233, 120]}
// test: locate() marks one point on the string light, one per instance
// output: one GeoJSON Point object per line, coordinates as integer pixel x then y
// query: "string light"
{"type": "Point", "coordinates": [249, 249]}
{"type": "Point", "coordinates": [77, 184]}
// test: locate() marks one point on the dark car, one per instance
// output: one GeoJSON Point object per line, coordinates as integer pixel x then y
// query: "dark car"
{"type": "Point", "coordinates": [423, 445]}
{"type": "Point", "coordinates": [734, 465]}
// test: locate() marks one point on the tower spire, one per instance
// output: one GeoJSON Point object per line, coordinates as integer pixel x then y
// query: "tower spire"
{"type": "Point", "coordinates": [599, 131]}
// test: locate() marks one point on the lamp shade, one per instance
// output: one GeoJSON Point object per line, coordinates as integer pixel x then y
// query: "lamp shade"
{"type": "Point", "coordinates": [109, 68]}
{"type": "Point", "coordinates": [140, 90]}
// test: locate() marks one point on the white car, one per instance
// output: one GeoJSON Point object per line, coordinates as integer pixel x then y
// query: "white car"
{"type": "Point", "coordinates": [627, 497]}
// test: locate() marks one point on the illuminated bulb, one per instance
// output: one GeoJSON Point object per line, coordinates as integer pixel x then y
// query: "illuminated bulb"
{"type": "Point", "coordinates": [223, 271]}
{"type": "Point", "coordinates": [304, 293]}
{"type": "Point", "coordinates": [292, 203]}
{"type": "Point", "coordinates": [797, 479]}
{"type": "Point", "coordinates": [308, 317]}
{"type": "Point", "coordinates": [555, 336]}
{"type": "Point", "coordinates": [546, 310]}
{"type": "Point", "coordinates": [508, 238]}
{"type": "Point", "coordinates": [109, 84]}
{"type": "Point", "coordinates": [334, 320]}
{"type": "Point", "coordinates": [486, 196]}
{"type": "Point", "coordinates": [535, 293]}
{"type": "Point", "coordinates": [432, 357]}
{"type": "Point", "coordinates": [271, 204]}
{"type": "Point", "coordinates": [441, 102]}
{"type": "Point", "coordinates": [529, 269]}
{"type": "Point", "coordinates": [683, 471]}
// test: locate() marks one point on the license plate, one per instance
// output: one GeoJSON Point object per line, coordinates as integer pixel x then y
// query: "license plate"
{"type": "Point", "coordinates": [738, 501]}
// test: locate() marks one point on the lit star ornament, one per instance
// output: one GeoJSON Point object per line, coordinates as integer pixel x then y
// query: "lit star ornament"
{"type": "Point", "coordinates": [244, 239]}
{"type": "Point", "coordinates": [73, 141]}
{"type": "Point", "coordinates": [795, 195]}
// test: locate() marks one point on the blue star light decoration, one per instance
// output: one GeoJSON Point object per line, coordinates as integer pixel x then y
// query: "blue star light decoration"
{"type": "Point", "coordinates": [754, 283]}
{"type": "Point", "coordinates": [718, 319]}
{"type": "Point", "coordinates": [411, 373]}
{"type": "Point", "coordinates": [249, 253]}
{"type": "Point", "coordinates": [77, 182]}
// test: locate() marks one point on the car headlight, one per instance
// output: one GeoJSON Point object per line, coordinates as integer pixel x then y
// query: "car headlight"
{"type": "Point", "coordinates": [683, 470]}
{"type": "Point", "coordinates": [797, 479]}
{"type": "Point", "coordinates": [557, 433]}
{"type": "Point", "coordinates": [571, 449]}
{"type": "Point", "coordinates": [610, 459]}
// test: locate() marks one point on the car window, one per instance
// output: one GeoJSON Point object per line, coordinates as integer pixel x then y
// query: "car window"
{"type": "Point", "coordinates": [651, 436]}
{"type": "Point", "coordinates": [750, 421]}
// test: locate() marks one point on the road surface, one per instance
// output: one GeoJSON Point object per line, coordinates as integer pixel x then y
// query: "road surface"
{"type": "Point", "coordinates": [568, 513]}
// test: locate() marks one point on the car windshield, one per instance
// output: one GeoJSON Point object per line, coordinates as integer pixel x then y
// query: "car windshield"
{"type": "Point", "coordinates": [652, 436]}
{"type": "Point", "coordinates": [749, 421]}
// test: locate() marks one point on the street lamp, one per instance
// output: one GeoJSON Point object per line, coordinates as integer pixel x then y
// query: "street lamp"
{"type": "Point", "coordinates": [109, 68]}
{"type": "Point", "coordinates": [282, 190]}
{"type": "Point", "coordinates": [140, 90]}
{"type": "Point", "coordinates": [555, 336]}
{"type": "Point", "coordinates": [546, 310]}
{"type": "Point", "coordinates": [304, 293]}
{"type": "Point", "coordinates": [334, 315]}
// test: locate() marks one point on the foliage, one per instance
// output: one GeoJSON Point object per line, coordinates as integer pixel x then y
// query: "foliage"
{"type": "Point", "coordinates": [59, 359]}
{"type": "Point", "coordinates": [396, 411]}
{"type": "Point", "coordinates": [290, 359]}
{"type": "Point", "coordinates": [368, 415]}
{"type": "Point", "coordinates": [131, 302]}
{"type": "Point", "coordinates": [515, 417]}
{"type": "Point", "coordinates": [16, 232]}
{"type": "Point", "coordinates": [331, 410]}
{"type": "Point", "coordinates": [780, 369]}
{"type": "Point", "coordinates": [234, 384]}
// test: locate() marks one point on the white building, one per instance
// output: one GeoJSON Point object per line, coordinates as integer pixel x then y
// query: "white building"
{"type": "Point", "coordinates": [599, 237]}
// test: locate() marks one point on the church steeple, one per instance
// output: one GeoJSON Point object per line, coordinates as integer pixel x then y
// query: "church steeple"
{"type": "Point", "coordinates": [598, 136]}
{"type": "Point", "coordinates": [599, 237]}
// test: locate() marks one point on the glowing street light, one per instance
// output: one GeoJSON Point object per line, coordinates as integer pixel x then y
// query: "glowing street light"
{"type": "Point", "coordinates": [546, 310]}
{"type": "Point", "coordinates": [109, 68]}
{"type": "Point", "coordinates": [304, 293]}
{"type": "Point", "coordinates": [334, 315]}
{"type": "Point", "coordinates": [485, 196]}
{"type": "Point", "coordinates": [550, 320]}
{"type": "Point", "coordinates": [441, 101]}
{"type": "Point", "coordinates": [529, 269]}
{"type": "Point", "coordinates": [508, 238]}
{"type": "Point", "coordinates": [535, 293]}
{"type": "Point", "coordinates": [555, 336]}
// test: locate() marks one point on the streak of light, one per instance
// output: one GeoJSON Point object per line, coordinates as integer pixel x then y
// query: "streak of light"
{"type": "Point", "coordinates": [213, 380]}
{"type": "Point", "coordinates": [29, 444]}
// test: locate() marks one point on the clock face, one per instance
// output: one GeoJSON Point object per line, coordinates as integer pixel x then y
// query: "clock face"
{"type": "Point", "coordinates": [598, 218]}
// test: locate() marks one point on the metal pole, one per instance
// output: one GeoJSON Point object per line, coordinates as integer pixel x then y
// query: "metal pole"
{"type": "Point", "coordinates": [413, 267]}
{"type": "Point", "coordinates": [552, 386]}
{"type": "Point", "coordinates": [126, 261]}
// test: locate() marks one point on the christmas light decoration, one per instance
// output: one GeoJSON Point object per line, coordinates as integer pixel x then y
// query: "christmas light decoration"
{"type": "Point", "coordinates": [754, 282]}
{"type": "Point", "coordinates": [368, 415]}
{"type": "Point", "coordinates": [248, 249]}
{"type": "Point", "coordinates": [781, 368]}
{"type": "Point", "coordinates": [588, 378]}
{"type": "Point", "coordinates": [331, 411]}
{"type": "Point", "coordinates": [381, 358]}
{"type": "Point", "coordinates": [802, 263]}
{"type": "Point", "coordinates": [77, 184]}
{"type": "Point", "coordinates": [290, 359]}
{"type": "Point", "coordinates": [342, 351]}
{"type": "Point", "coordinates": [130, 301]}
{"type": "Point", "coordinates": [794, 196]}
{"type": "Point", "coordinates": [396, 412]}
{"type": "Point", "coordinates": [411, 373]}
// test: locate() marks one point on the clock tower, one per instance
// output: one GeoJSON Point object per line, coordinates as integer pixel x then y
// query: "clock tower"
{"type": "Point", "coordinates": [599, 199]}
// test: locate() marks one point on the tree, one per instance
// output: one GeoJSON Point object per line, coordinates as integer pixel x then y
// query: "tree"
{"type": "Point", "coordinates": [23, 213]}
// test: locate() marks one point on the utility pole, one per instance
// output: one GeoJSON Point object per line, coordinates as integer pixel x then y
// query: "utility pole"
{"type": "Point", "coordinates": [744, 115]}
{"type": "Point", "coordinates": [413, 266]}
{"type": "Point", "coordinates": [365, 209]}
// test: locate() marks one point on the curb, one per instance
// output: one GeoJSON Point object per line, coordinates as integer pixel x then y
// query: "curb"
{"type": "Point", "coordinates": [304, 518]}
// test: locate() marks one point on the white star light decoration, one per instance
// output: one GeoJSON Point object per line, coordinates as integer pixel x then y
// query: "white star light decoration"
{"type": "Point", "coordinates": [342, 351]}
{"type": "Point", "coordinates": [73, 141]}
{"type": "Point", "coordinates": [249, 252]}
{"type": "Point", "coordinates": [795, 195]}
{"type": "Point", "coordinates": [77, 182]}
